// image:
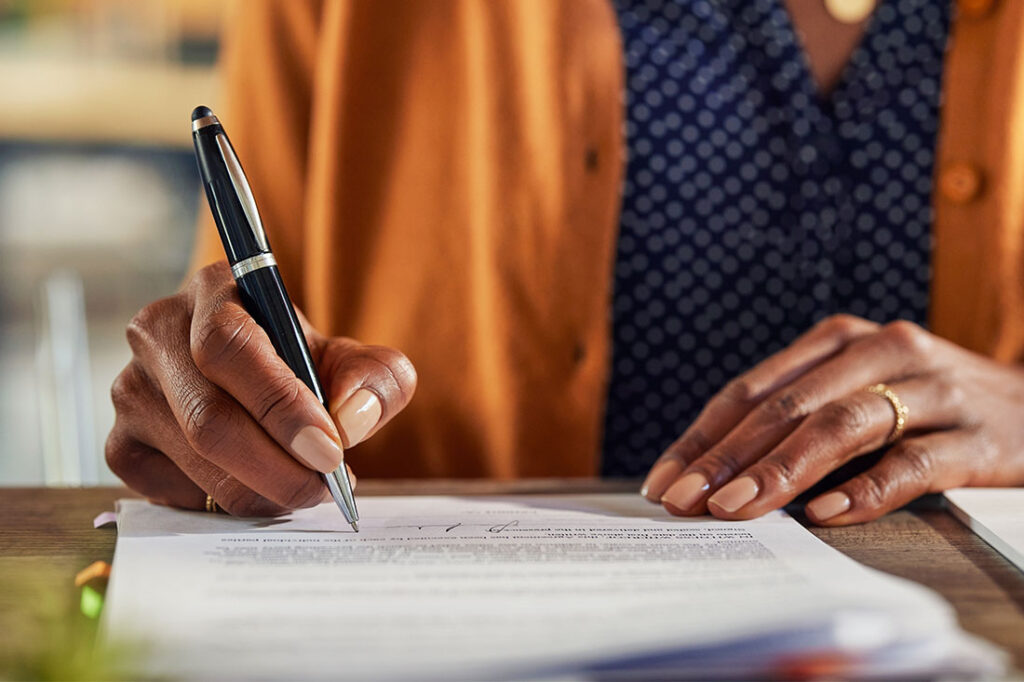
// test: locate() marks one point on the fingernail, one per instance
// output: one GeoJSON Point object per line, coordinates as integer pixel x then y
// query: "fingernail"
{"type": "Point", "coordinates": [316, 449]}
{"type": "Point", "coordinates": [829, 505]}
{"type": "Point", "coordinates": [660, 478]}
{"type": "Point", "coordinates": [736, 494]}
{"type": "Point", "coordinates": [687, 491]}
{"type": "Point", "coordinates": [357, 416]}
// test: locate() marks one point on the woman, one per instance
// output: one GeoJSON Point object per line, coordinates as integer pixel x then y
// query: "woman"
{"type": "Point", "coordinates": [448, 179]}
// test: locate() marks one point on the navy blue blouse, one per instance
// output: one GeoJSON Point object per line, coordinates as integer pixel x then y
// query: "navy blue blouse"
{"type": "Point", "coordinates": [753, 206]}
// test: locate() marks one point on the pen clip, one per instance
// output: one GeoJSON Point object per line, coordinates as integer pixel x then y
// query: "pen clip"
{"type": "Point", "coordinates": [242, 190]}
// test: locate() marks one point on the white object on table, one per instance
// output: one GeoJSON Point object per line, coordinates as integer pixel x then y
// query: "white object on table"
{"type": "Point", "coordinates": [513, 586]}
{"type": "Point", "coordinates": [996, 515]}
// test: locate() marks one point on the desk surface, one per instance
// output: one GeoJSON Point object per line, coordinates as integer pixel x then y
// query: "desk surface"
{"type": "Point", "coordinates": [52, 527]}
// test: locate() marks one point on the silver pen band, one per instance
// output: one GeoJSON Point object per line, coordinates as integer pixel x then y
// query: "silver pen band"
{"type": "Point", "coordinates": [203, 122]}
{"type": "Point", "coordinates": [260, 260]}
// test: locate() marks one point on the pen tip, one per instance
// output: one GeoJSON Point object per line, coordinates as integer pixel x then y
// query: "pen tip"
{"type": "Point", "coordinates": [355, 526]}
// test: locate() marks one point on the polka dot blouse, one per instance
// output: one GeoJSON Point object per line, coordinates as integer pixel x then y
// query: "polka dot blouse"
{"type": "Point", "coordinates": [753, 206]}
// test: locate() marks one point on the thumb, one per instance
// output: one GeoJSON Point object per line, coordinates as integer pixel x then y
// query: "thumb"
{"type": "Point", "coordinates": [366, 386]}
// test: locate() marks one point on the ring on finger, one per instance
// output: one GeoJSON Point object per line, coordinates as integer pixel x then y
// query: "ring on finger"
{"type": "Point", "coordinates": [211, 505]}
{"type": "Point", "coordinates": [899, 408]}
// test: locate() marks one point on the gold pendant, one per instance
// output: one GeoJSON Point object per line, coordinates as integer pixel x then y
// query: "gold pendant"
{"type": "Point", "coordinates": [850, 11]}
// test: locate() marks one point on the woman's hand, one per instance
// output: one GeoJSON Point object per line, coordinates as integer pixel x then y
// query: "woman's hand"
{"type": "Point", "coordinates": [206, 406]}
{"type": "Point", "coordinates": [778, 429]}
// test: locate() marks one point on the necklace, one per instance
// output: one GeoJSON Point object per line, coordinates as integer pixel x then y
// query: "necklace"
{"type": "Point", "coordinates": [850, 11]}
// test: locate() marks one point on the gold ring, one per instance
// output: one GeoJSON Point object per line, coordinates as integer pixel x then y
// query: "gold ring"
{"type": "Point", "coordinates": [898, 407]}
{"type": "Point", "coordinates": [211, 506]}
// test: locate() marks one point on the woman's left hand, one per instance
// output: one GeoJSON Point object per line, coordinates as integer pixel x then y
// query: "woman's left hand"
{"type": "Point", "coordinates": [778, 429]}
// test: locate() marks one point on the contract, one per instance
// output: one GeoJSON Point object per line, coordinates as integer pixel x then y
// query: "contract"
{"type": "Point", "coordinates": [508, 587]}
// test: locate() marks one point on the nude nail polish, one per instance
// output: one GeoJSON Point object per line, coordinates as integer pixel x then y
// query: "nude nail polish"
{"type": "Point", "coordinates": [687, 491]}
{"type": "Point", "coordinates": [660, 478]}
{"type": "Point", "coordinates": [316, 449]}
{"type": "Point", "coordinates": [357, 416]}
{"type": "Point", "coordinates": [736, 494]}
{"type": "Point", "coordinates": [828, 505]}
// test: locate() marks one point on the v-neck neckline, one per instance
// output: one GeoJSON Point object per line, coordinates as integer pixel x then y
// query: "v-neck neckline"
{"type": "Point", "coordinates": [825, 101]}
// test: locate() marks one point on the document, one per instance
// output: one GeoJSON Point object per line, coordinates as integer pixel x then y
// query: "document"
{"type": "Point", "coordinates": [996, 515]}
{"type": "Point", "coordinates": [511, 587]}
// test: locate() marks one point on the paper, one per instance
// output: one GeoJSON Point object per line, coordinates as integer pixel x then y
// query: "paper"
{"type": "Point", "coordinates": [104, 519]}
{"type": "Point", "coordinates": [502, 587]}
{"type": "Point", "coordinates": [996, 515]}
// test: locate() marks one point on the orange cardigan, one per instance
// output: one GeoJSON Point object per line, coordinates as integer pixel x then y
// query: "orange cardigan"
{"type": "Point", "coordinates": [443, 176]}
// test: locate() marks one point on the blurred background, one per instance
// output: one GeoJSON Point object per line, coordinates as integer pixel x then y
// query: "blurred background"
{"type": "Point", "coordinates": [98, 198]}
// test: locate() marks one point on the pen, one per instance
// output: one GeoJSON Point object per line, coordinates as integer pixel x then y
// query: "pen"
{"type": "Point", "coordinates": [255, 270]}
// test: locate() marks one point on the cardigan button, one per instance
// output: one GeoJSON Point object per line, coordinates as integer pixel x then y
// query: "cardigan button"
{"type": "Point", "coordinates": [960, 182]}
{"type": "Point", "coordinates": [579, 353]}
{"type": "Point", "coordinates": [974, 9]}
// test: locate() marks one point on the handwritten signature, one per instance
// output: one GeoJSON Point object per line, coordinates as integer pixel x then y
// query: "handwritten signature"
{"type": "Point", "coordinates": [496, 528]}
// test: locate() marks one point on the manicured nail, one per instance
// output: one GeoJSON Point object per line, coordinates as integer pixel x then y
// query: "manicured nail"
{"type": "Point", "coordinates": [316, 449]}
{"type": "Point", "coordinates": [660, 478]}
{"type": "Point", "coordinates": [736, 494]}
{"type": "Point", "coordinates": [686, 492]}
{"type": "Point", "coordinates": [357, 416]}
{"type": "Point", "coordinates": [829, 505]}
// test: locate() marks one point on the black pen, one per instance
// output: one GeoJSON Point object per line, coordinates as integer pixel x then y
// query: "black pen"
{"type": "Point", "coordinates": [255, 270]}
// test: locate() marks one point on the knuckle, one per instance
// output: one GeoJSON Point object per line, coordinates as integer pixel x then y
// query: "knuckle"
{"type": "Point", "coordinates": [698, 438]}
{"type": "Point", "coordinates": [738, 390]}
{"type": "Point", "coordinates": [721, 463]}
{"type": "Point", "coordinates": [918, 459]}
{"type": "Point", "coordinates": [689, 446]}
{"type": "Point", "coordinates": [126, 388]}
{"type": "Point", "coordinates": [787, 406]}
{"type": "Point", "coordinates": [908, 337]}
{"type": "Point", "coordinates": [205, 421]}
{"type": "Point", "coordinates": [126, 456]}
{"type": "Point", "coordinates": [144, 325]}
{"type": "Point", "coordinates": [278, 395]}
{"type": "Point", "coordinates": [845, 417]}
{"type": "Point", "coordinates": [874, 490]}
{"type": "Point", "coordinates": [222, 338]}
{"type": "Point", "coordinates": [397, 365]}
{"type": "Point", "coordinates": [117, 451]}
{"type": "Point", "coordinates": [842, 324]}
{"type": "Point", "coordinates": [781, 473]}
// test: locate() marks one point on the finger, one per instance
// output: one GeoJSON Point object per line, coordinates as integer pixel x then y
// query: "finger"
{"type": "Point", "coordinates": [227, 491]}
{"type": "Point", "coordinates": [235, 353]}
{"type": "Point", "coordinates": [729, 407]}
{"type": "Point", "coordinates": [915, 466]}
{"type": "Point", "coordinates": [894, 351]}
{"type": "Point", "coordinates": [147, 450]}
{"type": "Point", "coordinates": [859, 423]}
{"type": "Point", "coordinates": [216, 429]}
{"type": "Point", "coordinates": [149, 472]}
{"type": "Point", "coordinates": [897, 351]}
{"type": "Point", "coordinates": [821, 342]}
{"type": "Point", "coordinates": [367, 385]}
{"type": "Point", "coordinates": [144, 468]}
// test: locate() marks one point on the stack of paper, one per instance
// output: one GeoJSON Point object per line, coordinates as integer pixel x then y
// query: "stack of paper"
{"type": "Point", "coordinates": [996, 515]}
{"type": "Point", "coordinates": [515, 587]}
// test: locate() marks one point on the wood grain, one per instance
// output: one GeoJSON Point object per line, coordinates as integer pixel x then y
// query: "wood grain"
{"type": "Point", "coordinates": [52, 527]}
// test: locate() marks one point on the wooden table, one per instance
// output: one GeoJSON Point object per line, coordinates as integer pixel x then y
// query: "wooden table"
{"type": "Point", "coordinates": [49, 531]}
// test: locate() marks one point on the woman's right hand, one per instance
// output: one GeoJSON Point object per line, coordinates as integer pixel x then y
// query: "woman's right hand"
{"type": "Point", "coordinates": [207, 407]}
